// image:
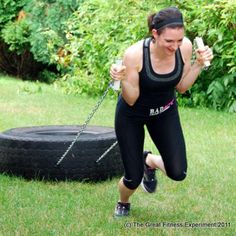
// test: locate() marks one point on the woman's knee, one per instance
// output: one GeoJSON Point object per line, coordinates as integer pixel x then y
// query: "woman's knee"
{"type": "Point", "coordinates": [132, 183]}
{"type": "Point", "coordinates": [178, 175]}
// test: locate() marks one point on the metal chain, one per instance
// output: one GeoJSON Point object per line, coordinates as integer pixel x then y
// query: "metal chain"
{"type": "Point", "coordinates": [85, 123]}
{"type": "Point", "coordinates": [105, 153]}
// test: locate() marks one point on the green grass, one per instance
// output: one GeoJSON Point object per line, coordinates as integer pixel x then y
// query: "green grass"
{"type": "Point", "coordinates": [76, 208]}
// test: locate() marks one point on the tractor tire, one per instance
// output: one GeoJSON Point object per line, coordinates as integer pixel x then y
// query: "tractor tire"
{"type": "Point", "coordinates": [33, 152]}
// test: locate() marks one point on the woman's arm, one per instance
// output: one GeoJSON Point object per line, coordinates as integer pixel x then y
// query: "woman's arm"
{"type": "Point", "coordinates": [129, 74]}
{"type": "Point", "coordinates": [191, 72]}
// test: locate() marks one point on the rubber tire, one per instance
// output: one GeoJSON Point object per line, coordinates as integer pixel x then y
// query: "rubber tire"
{"type": "Point", "coordinates": [32, 152]}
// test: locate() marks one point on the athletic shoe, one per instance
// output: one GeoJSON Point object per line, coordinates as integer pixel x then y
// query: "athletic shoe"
{"type": "Point", "coordinates": [149, 181]}
{"type": "Point", "coordinates": [122, 209]}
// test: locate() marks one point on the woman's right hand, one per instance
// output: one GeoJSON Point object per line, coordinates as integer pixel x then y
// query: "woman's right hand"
{"type": "Point", "coordinates": [117, 72]}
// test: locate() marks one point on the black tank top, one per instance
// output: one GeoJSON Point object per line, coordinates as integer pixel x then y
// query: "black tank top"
{"type": "Point", "coordinates": [157, 91]}
{"type": "Point", "coordinates": [156, 88]}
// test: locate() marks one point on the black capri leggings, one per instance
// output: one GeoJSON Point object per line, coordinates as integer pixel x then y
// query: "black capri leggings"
{"type": "Point", "coordinates": [166, 133]}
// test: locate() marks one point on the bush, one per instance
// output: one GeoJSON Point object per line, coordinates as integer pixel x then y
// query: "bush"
{"type": "Point", "coordinates": [35, 27]}
{"type": "Point", "coordinates": [215, 21]}
{"type": "Point", "coordinates": [46, 21]}
{"type": "Point", "coordinates": [9, 10]}
{"type": "Point", "coordinates": [23, 66]}
{"type": "Point", "coordinates": [15, 56]}
{"type": "Point", "coordinates": [16, 35]}
{"type": "Point", "coordinates": [98, 33]}
{"type": "Point", "coordinates": [98, 27]}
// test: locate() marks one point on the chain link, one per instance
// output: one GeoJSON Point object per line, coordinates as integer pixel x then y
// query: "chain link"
{"type": "Point", "coordinates": [85, 124]}
{"type": "Point", "coordinates": [105, 153]}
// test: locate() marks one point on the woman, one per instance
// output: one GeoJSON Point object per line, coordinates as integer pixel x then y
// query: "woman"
{"type": "Point", "coordinates": [152, 70]}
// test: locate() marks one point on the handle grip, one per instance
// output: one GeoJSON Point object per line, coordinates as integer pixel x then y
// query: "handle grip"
{"type": "Point", "coordinates": [200, 45]}
{"type": "Point", "coordinates": [116, 83]}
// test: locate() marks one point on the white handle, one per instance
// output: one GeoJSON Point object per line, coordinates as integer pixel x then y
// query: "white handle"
{"type": "Point", "coordinates": [200, 45]}
{"type": "Point", "coordinates": [116, 83]}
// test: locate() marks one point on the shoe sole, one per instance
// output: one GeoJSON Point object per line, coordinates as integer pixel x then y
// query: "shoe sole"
{"type": "Point", "coordinates": [145, 190]}
{"type": "Point", "coordinates": [120, 216]}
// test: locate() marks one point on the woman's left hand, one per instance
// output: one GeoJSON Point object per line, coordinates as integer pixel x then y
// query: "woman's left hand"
{"type": "Point", "coordinates": [204, 55]}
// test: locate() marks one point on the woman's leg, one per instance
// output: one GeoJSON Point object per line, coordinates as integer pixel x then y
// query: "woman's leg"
{"type": "Point", "coordinates": [166, 133]}
{"type": "Point", "coordinates": [155, 162]}
{"type": "Point", "coordinates": [130, 136]}
{"type": "Point", "coordinates": [125, 193]}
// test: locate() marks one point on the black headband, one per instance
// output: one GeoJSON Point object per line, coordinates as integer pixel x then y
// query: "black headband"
{"type": "Point", "coordinates": [167, 22]}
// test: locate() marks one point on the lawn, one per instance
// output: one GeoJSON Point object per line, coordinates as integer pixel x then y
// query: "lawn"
{"type": "Point", "coordinates": [203, 204]}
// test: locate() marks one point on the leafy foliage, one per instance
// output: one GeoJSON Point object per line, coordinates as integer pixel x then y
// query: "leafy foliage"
{"type": "Point", "coordinates": [215, 21]}
{"type": "Point", "coordinates": [83, 38]}
{"type": "Point", "coordinates": [35, 27]}
{"type": "Point", "coordinates": [46, 21]}
{"type": "Point", "coordinates": [98, 33]}
{"type": "Point", "coordinates": [222, 92]}
{"type": "Point", "coordinates": [9, 10]}
{"type": "Point", "coordinates": [16, 35]}
{"type": "Point", "coordinates": [98, 27]}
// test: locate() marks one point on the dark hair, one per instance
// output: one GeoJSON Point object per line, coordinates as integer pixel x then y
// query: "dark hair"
{"type": "Point", "coordinates": [169, 17]}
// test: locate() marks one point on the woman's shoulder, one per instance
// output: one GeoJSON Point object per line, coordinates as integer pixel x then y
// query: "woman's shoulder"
{"type": "Point", "coordinates": [134, 49]}
{"type": "Point", "coordinates": [186, 48]}
{"type": "Point", "coordinates": [133, 54]}
{"type": "Point", "coordinates": [186, 45]}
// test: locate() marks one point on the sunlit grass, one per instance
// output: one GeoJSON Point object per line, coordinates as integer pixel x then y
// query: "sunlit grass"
{"type": "Point", "coordinates": [76, 208]}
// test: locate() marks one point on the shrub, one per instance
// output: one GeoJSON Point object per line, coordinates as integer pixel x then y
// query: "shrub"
{"type": "Point", "coordinates": [32, 30]}
{"type": "Point", "coordinates": [23, 66]}
{"type": "Point", "coordinates": [46, 21]}
{"type": "Point", "coordinates": [16, 35]}
{"type": "Point", "coordinates": [15, 56]}
{"type": "Point", "coordinates": [10, 61]}
{"type": "Point", "coordinates": [9, 10]}
{"type": "Point", "coordinates": [98, 27]}
{"type": "Point", "coordinates": [215, 21]}
{"type": "Point", "coordinates": [98, 33]}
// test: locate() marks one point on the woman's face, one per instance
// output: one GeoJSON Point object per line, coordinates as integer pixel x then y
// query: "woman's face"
{"type": "Point", "coordinates": [170, 39]}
